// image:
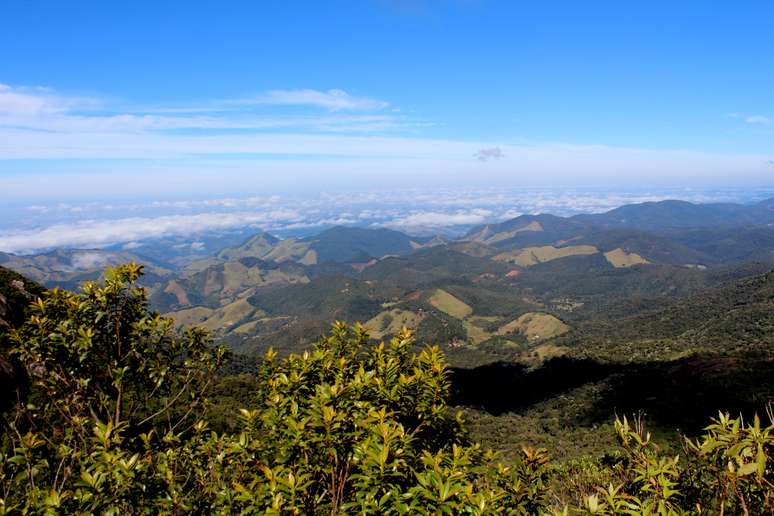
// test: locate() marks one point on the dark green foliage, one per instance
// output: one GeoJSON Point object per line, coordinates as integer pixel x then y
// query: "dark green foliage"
{"type": "Point", "coordinates": [440, 327]}
{"type": "Point", "coordinates": [329, 297]}
{"type": "Point", "coordinates": [729, 245]}
{"type": "Point", "coordinates": [736, 316]}
{"type": "Point", "coordinates": [653, 247]}
{"type": "Point", "coordinates": [227, 395]}
{"type": "Point", "coordinates": [591, 280]}
{"type": "Point", "coordinates": [431, 267]}
{"type": "Point", "coordinates": [252, 261]}
{"type": "Point", "coordinates": [349, 244]}
{"type": "Point", "coordinates": [496, 299]}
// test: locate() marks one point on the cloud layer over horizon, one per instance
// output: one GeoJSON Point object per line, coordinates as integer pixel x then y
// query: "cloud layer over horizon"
{"type": "Point", "coordinates": [417, 211]}
{"type": "Point", "coordinates": [55, 145]}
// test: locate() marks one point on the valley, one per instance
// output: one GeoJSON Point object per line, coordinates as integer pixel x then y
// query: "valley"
{"type": "Point", "coordinates": [644, 291]}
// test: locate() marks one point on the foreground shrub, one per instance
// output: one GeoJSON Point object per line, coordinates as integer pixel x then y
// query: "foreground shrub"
{"type": "Point", "coordinates": [346, 427]}
{"type": "Point", "coordinates": [113, 425]}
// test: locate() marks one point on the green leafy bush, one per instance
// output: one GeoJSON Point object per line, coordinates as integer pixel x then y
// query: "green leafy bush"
{"type": "Point", "coordinates": [112, 427]}
{"type": "Point", "coordinates": [114, 424]}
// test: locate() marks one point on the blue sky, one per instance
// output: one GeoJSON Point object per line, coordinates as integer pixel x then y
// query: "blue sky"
{"type": "Point", "coordinates": [205, 98]}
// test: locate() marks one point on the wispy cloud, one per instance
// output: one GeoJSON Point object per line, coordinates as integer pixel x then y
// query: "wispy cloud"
{"type": "Point", "coordinates": [758, 119]}
{"type": "Point", "coordinates": [322, 138]}
{"type": "Point", "coordinates": [99, 233]}
{"type": "Point", "coordinates": [40, 109]}
{"type": "Point", "coordinates": [435, 219]}
{"type": "Point", "coordinates": [20, 101]}
{"type": "Point", "coordinates": [333, 100]}
{"type": "Point", "coordinates": [752, 119]}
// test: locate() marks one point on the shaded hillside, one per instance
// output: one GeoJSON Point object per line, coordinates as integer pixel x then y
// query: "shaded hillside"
{"type": "Point", "coordinates": [728, 245]}
{"type": "Point", "coordinates": [683, 393]}
{"type": "Point", "coordinates": [597, 286]}
{"type": "Point", "coordinates": [735, 316]}
{"type": "Point", "coordinates": [429, 265]}
{"type": "Point", "coordinates": [679, 214]}
{"type": "Point", "coordinates": [351, 244]}
{"type": "Point", "coordinates": [654, 248]}
{"type": "Point", "coordinates": [525, 230]}
{"type": "Point", "coordinates": [329, 297]}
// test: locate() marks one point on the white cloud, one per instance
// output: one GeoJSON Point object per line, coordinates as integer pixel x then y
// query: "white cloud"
{"type": "Point", "coordinates": [758, 119]}
{"type": "Point", "coordinates": [489, 153]}
{"type": "Point", "coordinates": [333, 100]}
{"type": "Point", "coordinates": [89, 260]}
{"type": "Point", "coordinates": [99, 233]}
{"type": "Point", "coordinates": [434, 219]}
{"type": "Point", "coordinates": [233, 148]}
{"type": "Point", "coordinates": [752, 119]}
{"type": "Point", "coordinates": [40, 109]}
{"type": "Point", "coordinates": [428, 210]}
{"type": "Point", "coordinates": [16, 101]}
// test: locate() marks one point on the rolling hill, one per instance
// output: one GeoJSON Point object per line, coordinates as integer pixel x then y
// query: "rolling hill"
{"type": "Point", "coordinates": [67, 268]}
{"type": "Point", "coordinates": [501, 291]}
{"type": "Point", "coordinates": [345, 245]}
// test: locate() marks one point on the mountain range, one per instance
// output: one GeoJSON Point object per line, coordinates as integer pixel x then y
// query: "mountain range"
{"type": "Point", "coordinates": [517, 289]}
{"type": "Point", "coordinates": [550, 322]}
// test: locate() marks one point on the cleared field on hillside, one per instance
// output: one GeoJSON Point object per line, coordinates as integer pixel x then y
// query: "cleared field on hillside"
{"type": "Point", "coordinates": [489, 236]}
{"type": "Point", "coordinates": [194, 316]}
{"type": "Point", "coordinates": [505, 235]}
{"type": "Point", "coordinates": [475, 334]}
{"type": "Point", "coordinates": [534, 255]}
{"type": "Point", "coordinates": [291, 250]}
{"type": "Point", "coordinates": [619, 258]}
{"type": "Point", "coordinates": [483, 320]}
{"type": "Point", "coordinates": [217, 319]}
{"type": "Point", "coordinates": [178, 291]}
{"type": "Point", "coordinates": [390, 322]}
{"type": "Point", "coordinates": [543, 352]}
{"type": "Point", "coordinates": [535, 326]}
{"type": "Point", "coordinates": [449, 304]}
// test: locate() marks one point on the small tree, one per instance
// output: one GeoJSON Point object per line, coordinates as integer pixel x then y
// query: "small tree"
{"type": "Point", "coordinates": [102, 366]}
{"type": "Point", "coordinates": [355, 428]}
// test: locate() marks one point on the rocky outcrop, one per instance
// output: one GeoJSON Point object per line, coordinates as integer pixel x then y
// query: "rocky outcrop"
{"type": "Point", "coordinates": [13, 377]}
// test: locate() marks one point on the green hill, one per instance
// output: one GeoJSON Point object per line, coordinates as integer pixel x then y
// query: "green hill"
{"type": "Point", "coordinates": [68, 268]}
{"type": "Point", "coordinates": [678, 214]}
{"type": "Point", "coordinates": [736, 316]}
{"type": "Point", "coordinates": [335, 245]}
{"type": "Point", "coordinates": [222, 283]}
